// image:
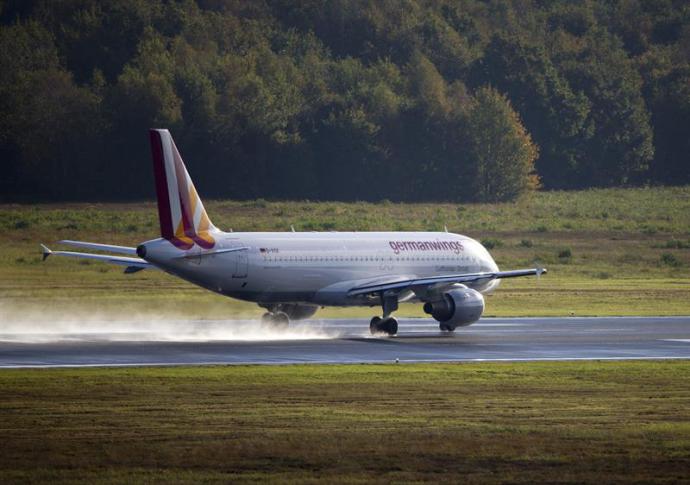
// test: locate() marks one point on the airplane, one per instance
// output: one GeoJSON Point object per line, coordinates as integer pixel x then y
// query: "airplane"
{"type": "Point", "coordinates": [292, 274]}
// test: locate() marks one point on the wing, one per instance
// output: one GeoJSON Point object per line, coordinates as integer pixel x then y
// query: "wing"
{"type": "Point", "coordinates": [133, 264]}
{"type": "Point", "coordinates": [444, 279]}
{"type": "Point", "coordinates": [100, 247]}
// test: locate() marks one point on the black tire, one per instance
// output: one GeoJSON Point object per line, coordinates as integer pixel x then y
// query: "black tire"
{"type": "Point", "coordinates": [280, 321]}
{"type": "Point", "coordinates": [267, 318]}
{"type": "Point", "coordinates": [446, 328]}
{"type": "Point", "coordinates": [389, 325]}
{"type": "Point", "coordinates": [375, 325]}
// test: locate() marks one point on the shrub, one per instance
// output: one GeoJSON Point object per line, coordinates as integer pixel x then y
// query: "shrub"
{"type": "Point", "coordinates": [565, 253]}
{"type": "Point", "coordinates": [525, 243]}
{"type": "Point", "coordinates": [677, 244]}
{"type": "Point", "coordinates": [491, 243]}
{"type": "Point", "coordinates": [541, 228]}
{"type": "Point", "coordinates": [669, 260]}
{"type": "Point", "coordinates": [22, 224]}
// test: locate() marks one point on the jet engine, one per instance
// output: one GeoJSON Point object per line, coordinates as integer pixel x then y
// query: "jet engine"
{"type": "Point", "coordinates": [458, 307]}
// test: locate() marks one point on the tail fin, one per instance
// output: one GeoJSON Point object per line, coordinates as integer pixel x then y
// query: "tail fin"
{"type": "Point", "coordinates": [182, 216]}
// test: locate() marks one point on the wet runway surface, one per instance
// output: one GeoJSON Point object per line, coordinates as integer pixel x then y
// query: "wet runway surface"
{"type": "Point", "coordinates": [346, 341]}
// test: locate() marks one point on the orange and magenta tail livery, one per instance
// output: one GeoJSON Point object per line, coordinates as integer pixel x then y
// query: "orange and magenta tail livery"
{"type": "Point", "coordinates": [182, 216]}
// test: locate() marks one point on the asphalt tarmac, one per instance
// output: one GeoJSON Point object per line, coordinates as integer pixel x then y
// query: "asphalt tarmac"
{"type": "Point", "coordinates": [344, 341]}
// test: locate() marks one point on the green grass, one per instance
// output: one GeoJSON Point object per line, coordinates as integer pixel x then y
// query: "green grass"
{"type": "Point", "coordinates": [609, 252]}
{"type": "Point", "coordinates": [480, 423]}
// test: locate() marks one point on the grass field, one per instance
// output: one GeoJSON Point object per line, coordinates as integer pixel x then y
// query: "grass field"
{"type": "Point", "coordinates": [614, 422]}
{"type": "Point", "coordinates": [609, 252]}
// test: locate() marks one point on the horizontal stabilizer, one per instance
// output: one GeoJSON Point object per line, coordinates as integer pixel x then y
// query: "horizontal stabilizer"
{"type": "Point", "coordinates": [120, 260]}
{"type": "Point", "coordinates": [100, 247]}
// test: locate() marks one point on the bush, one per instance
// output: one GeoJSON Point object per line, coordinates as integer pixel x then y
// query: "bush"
{"type": "Point", "coordinates": [669, 260]}
{"type": "Point", "coordinates": [541, 228]}
{"type": "Point", "coordinates": [491, 243]}
{"type": "Point", "coordinates": [677, 244]}
{"type": "Point", "coordinates": [22, 224]}
{"type": "Point", "coordinates": [565, 253]}
{"type": "Point", "coordinates": [525, 243]}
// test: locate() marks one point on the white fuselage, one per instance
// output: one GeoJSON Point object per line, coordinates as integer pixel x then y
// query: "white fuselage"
{"type": "Point", "coordinates": [318, 267]}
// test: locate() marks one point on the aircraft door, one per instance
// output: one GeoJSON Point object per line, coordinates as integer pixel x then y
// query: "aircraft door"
{"type": "Point", "coordinates": [241, 265]}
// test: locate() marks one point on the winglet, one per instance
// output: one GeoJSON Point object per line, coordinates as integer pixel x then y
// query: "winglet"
{"type": "Point", "coordinates": [46, 252]}
{"type": "Point", "coordinates": [540, 271]}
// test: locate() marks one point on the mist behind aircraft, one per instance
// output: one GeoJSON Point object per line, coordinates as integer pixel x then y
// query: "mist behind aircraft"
{"type": "Point", "coordinates": [18, 325]}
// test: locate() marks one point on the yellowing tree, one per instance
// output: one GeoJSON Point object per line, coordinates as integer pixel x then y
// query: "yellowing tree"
{"type": "Point", "coordinates": [501, 153]}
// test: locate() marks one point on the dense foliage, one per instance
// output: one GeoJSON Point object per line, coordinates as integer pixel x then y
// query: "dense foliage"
{"type": "Point", "coordinates": [344, 99]}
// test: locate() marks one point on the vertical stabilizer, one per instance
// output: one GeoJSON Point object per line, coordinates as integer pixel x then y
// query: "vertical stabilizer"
{"type": "Point", "coordinates": [182, 216]}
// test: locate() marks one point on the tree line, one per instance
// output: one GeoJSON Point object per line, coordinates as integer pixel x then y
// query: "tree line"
{"type": "Point", "coordinates": [447, 100]}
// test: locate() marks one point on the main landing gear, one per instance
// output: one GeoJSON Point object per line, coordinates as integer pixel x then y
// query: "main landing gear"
{"type": "Point", "coordinates": [275, 320]}
{"type": "Point", "coordinates": [386, 324]}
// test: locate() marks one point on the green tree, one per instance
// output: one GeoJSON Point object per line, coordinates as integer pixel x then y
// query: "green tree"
{"type": "Point", "coordinates": [621, 147]}
{"type": "Point", "coordinates": [501, 153]}
{"type": "Point", "coordinates": [49, 127]}
{"type": "Point", "coordinates": [555, 115]}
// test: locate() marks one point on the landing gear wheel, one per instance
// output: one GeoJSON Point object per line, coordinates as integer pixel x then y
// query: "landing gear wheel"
{"type": "Point", "coordinates": [276, 321]}
{"type": "Point", "coordinates": [374, 325]}
{"type": "Point", "coordinates": [383, 325]}
{"type": "Point", "coordinates": [446, 328]}
{"type": "Point", "coordinates": [390, 326]}
{"type": "Point", "coordinates": [281, 321]}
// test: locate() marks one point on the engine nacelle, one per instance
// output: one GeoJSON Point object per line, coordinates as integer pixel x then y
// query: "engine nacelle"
{"type": "Point", "coordinates": [458, 307]}
{"type": "Point", "coordinates": [295, 311]}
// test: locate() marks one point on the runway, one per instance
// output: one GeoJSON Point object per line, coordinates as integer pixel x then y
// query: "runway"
{"type": "Point", "coordinates": [345, 341]}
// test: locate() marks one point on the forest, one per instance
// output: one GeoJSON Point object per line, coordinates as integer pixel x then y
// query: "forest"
{"type": "Point", "coordinates": [401, 100]}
